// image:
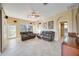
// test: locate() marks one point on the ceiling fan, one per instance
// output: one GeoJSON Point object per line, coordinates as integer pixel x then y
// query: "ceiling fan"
{"type": "Point", "coordinates": [34, 14]}
{"type": "Point", "coordinates": [45, 3]}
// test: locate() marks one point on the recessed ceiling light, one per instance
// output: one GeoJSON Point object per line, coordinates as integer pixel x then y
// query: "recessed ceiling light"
{"type": "Point", "coordinates": [6, 16]}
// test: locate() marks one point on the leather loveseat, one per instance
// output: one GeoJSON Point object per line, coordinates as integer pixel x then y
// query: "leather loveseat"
{"type": "Point", "coordinates": [27, 35]}
{"type": "Point", "coordinates": [47, 35]}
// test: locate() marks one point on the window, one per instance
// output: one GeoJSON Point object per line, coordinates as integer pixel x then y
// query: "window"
{"type": "Point", "coordinates": [25, 28]}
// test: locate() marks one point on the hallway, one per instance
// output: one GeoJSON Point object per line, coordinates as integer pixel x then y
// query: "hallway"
{"type": "Point", "coordinates": [33, 47]}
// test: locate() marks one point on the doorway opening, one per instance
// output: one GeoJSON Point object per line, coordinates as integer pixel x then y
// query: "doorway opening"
{"type": "Point", "coordinates": [11, 31]}
{"type": "Point", "coordinates": [12, 36]}
{"type": "Point", "coordinates": [63, 30]}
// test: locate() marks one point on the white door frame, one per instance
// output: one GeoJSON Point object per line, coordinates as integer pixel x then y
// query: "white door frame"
{"type": "Point", "coordinates": [61, 19]}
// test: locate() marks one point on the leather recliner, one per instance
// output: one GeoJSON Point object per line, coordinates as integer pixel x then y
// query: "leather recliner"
{"type": "Point", "coordinates": [47, 35]}
{"type": "Point", "coordinates": [27, 35]}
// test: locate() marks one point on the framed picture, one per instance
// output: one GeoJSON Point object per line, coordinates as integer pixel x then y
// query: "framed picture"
{"type": "Point", "coordinates": [50, 24]}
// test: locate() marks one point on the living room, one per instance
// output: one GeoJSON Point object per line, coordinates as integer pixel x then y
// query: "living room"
{"type": "Point", "coordinates": [39, 28]}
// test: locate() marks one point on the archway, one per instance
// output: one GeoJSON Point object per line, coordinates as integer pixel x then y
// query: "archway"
{"type": "Point", "coordinates": [63, 27]}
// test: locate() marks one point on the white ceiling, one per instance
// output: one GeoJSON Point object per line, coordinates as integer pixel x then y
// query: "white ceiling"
{"type": "Point", "coordinates": [22, 10]}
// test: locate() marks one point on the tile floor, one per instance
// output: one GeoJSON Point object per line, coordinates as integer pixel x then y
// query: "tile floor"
{"type": "Point", "coordinates": [33, 47]}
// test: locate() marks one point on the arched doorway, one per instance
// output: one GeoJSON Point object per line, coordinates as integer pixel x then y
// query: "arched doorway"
{"type": "Point", "coordinates": [63, 28]}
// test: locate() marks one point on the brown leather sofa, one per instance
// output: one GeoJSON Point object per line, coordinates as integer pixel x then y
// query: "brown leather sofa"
{"type": "Point", "coordinates": [27, 35]}
{"type": "Point", "coordinates": [47, 35]}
